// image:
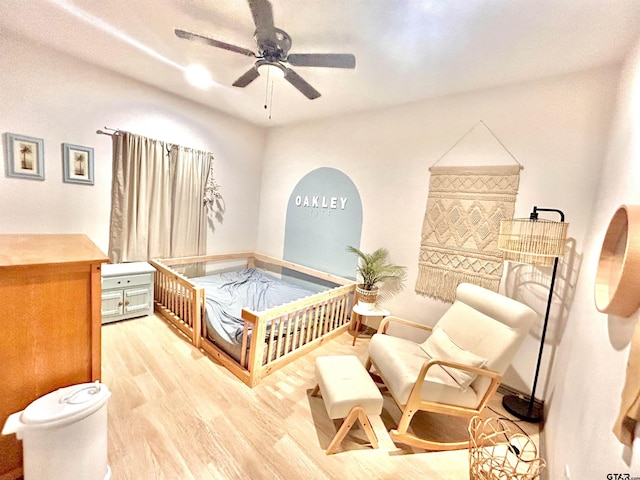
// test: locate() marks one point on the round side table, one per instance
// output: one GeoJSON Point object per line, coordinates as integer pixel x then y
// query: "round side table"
{"type": "Point", "coordinates": [358, 312]}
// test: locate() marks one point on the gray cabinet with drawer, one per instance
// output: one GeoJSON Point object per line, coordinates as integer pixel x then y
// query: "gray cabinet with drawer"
{"type": "Point", "coordinates": [127, 290]}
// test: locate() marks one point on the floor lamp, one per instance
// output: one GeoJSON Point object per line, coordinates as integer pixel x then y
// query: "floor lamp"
{"type": "Point", "coordinates": [537, 242]}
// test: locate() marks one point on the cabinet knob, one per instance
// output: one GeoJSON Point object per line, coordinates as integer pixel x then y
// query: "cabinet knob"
{"type": "Point", "coordinates": [119, 304]}
{"type": "Point", "coordinates": [126, 303]}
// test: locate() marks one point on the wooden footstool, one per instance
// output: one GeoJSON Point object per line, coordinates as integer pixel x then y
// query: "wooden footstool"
{"type": "Point", "coordinates": [348, 392]}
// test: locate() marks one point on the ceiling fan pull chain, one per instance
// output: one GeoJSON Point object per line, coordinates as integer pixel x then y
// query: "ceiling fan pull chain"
{"type": "Point", "coordinates": [266, 91]}
{"type": "Point", "coordinates": [271, 101]}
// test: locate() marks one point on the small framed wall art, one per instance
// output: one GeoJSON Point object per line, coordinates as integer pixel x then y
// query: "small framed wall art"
{"type": "Point", "coordinates": [24, 156]}
{"type": "Point", "coordinates": [77, 164]}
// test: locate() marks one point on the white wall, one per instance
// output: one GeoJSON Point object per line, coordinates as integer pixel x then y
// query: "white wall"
{"type": "Point", "coordinates": [48, 95]}
{"type": "Point", "coordinates": [557, 128]}
{"type": "Point", "coordinates": [590, 369]}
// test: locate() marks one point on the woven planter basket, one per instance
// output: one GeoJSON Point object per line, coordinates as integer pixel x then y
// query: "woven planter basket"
{"type": "Point", "coordinates": [366, 296]}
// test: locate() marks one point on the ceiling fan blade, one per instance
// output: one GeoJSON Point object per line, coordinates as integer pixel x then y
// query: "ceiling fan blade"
{"type": "Point", "coordinates": [297, 81]}
{"type": "Point", "coordinates": [248, 77]}
{"type": "Point", "coordinates": [263, 18]}
{"type": "Point", "coordinates": [214, 43]}
{"type": "Point", "coordinates": [331, 60]}
{"type": "Point", "coordinates": [262, 14]}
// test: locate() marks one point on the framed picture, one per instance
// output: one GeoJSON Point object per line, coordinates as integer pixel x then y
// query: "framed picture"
{"type": "Point", "coordinates": [24, 156]}
{"type": "Point", "coordinates": [77, 164]}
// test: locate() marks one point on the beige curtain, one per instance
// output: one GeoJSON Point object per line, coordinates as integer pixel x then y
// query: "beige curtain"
{"type": "Point", "coordinates": [158, 199]}
{"type": "Point", "coordinates": [190, 171]}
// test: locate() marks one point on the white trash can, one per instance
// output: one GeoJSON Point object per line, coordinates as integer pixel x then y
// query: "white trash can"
{"type": "Point", "coordinates": [64, 434]}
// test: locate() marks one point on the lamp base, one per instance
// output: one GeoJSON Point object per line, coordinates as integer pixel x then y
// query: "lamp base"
{"type": "Point", "coordinates": [520, 408]}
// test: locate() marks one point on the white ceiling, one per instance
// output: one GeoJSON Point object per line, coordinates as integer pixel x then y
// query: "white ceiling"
{"type": "Point", "coordinates": [406, 50]}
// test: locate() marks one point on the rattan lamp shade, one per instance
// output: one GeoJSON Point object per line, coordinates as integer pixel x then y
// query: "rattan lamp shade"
{"type": "Point", "coordinates": [537, 242]}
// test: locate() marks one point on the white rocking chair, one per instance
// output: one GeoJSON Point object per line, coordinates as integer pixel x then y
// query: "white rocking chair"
{"type": "Point", "coordinates": [460, 365]}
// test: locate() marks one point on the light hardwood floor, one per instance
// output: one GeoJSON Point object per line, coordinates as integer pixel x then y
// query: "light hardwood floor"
{"type": "Point", "coordinates": [176, 414]}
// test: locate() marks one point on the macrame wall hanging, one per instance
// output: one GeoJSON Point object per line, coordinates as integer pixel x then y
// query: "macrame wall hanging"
{"type": "Point", "coordinates": [461, 223]}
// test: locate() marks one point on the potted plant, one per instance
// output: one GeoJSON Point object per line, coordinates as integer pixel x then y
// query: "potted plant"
{"type": "Point", "coordinates": [375, 270]}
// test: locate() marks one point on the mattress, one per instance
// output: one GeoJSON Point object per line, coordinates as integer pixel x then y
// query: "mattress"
{"type": "Point", "coordinates": [226, 294]}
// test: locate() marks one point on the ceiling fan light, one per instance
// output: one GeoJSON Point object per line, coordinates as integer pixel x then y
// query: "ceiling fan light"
{"type": "Point", "coordinates": [271, 69]}
{"type": "Point", "coordinates": [198, 76]}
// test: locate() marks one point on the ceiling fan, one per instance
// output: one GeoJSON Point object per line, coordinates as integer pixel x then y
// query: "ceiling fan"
{"type": "Point", "coordinates": [273, 46]}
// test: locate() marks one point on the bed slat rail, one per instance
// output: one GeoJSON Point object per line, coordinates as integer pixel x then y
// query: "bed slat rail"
{"type": "Point", "coordinates": [302, 269]}
{"type": "Point", "coordinates": [178, 300]}
{"type": "Point", "coordinates": [306, 322]}
{"type": "Point", "coordinates": [170, 262]}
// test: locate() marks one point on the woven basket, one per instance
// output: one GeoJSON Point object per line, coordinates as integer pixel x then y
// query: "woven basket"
{"type": "Point", "coordinates": [366, 296]}
{"type": "Point", "coordinates": [497, 454]}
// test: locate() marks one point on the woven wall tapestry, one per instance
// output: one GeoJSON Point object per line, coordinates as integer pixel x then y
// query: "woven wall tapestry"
{"type": "Point", "coordinates": [460, 228]}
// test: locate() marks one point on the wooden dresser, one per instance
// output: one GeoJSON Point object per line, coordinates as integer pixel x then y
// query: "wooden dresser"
{"type": "Point", "coordinates": [49, 323]}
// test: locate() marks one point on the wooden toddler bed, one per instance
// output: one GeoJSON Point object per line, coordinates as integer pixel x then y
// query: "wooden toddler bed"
{"type": "Point", "coordinates": [183, 297]}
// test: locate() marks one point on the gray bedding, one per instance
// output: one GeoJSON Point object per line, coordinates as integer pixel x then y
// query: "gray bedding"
{"type": "Point", "coordinates": [228, 293]}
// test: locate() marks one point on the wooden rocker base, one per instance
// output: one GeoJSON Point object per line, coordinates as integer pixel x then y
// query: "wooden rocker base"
{"type": "Point", "coordinates": [431, 445]}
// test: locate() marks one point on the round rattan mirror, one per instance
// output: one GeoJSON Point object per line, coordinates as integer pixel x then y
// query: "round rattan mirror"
{"type": "Point", "coordinates": [618, 276]}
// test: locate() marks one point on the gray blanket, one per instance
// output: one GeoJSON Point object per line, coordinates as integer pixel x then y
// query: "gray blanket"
{"type": "Point", "coordinates": [228, 293]}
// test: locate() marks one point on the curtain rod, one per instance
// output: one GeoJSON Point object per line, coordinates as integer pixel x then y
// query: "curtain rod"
{"type": "Point", "coordinates": [116, 131]}
{"type": "Point", "coordinates": [102, 132]}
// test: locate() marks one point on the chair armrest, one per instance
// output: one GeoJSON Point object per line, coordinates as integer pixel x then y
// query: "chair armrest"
{"type": "Point", "coordinates": [414, 396]}
{"type": "Point", "coordinates": [467, 368]}
{"type": "Point", "coordinates": [493, 375]}
{"type": "Point", "coordinates": [384, 325]}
